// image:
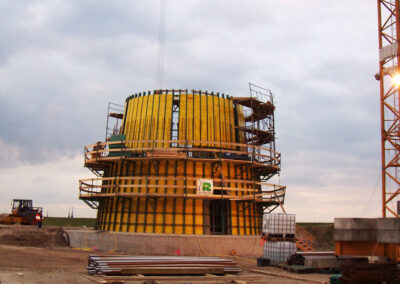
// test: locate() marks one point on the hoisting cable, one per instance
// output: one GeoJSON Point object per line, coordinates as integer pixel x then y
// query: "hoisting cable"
{"type": "Point", "coordinates": [161, 45]}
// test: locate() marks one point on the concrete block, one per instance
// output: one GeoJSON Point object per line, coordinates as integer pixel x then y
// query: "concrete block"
{"type": "Point", "coordinates": [388, 230]}
{"type": "Point", "coordinates": [388, 236]}
{"type": "Point", "coordinates": [355, 234]}
{"type": "Point", "coordinates": [321, 262]}
{"type": "Point", "coordinates": [355, 229]}
{"type": "Point", "coordinates": [355, 223]}
{"type": "Point", "coordinates": [388, 224]}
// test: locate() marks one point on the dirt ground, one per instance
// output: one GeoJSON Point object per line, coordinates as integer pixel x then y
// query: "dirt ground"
{"type": "Point", "coordinates": [32, 236]}
{"type": "Point", "coordinates": [65, 265]}
{"type": "Point", "coordinates": [54, 262]}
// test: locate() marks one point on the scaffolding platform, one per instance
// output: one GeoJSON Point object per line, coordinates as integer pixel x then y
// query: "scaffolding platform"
{"type": "Point", "coordinates": [260, 110]}
{"type": "Point", "coordinates": [259, 137]}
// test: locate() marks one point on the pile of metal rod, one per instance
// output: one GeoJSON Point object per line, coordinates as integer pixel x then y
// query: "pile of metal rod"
{"type": "Point", "coordinates": [159, 265]}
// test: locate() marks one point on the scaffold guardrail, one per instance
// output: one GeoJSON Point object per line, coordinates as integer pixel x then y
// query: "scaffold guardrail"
{"type": "Point", "coordinates": [180, 149]}
{"type": "Point", "coordinates": [96, 188]}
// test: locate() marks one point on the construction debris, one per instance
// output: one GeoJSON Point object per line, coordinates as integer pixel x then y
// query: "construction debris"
{"type": "Point", "coordinates": [159, 265]}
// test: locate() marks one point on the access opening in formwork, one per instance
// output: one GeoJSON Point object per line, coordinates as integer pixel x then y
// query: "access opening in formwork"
{"type": "Point", "coordinates": [186, 162]}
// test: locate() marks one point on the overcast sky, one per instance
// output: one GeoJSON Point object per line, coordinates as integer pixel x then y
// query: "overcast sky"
{"type": "Point", "coordinates": [61, 62]}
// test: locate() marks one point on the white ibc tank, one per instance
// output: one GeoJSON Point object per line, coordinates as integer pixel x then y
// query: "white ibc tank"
{"type": "Point", "coordinates": [283, 224]}
{"type": "Point", "coordinates": [278, 252]}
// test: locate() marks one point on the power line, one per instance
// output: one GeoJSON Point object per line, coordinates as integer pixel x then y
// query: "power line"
{"type": "Point", "coordinates": [370, 199]}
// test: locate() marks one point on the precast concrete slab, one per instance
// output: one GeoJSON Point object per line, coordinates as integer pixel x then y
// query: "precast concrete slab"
{"type": "Point", "coordinates": [355, 229]}
{"type": "Point", "coordinates": [388, 224]}
{"type": "Point", "coordinates": [320, 262]}
{"type": "Point", "coordinates": [355, 223]}
{"type": "Point", "coordinates": [366, 235]}
{"type": "Point", "coordinates": [164, 244]}
{"type": "Point", "coordinates": [388, 230]}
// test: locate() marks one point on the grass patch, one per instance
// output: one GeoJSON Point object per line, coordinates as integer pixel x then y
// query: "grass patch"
{"type": "Point", "coordinates": [323, 233]}
{"type": "Point", "coordinates": [69, 222]}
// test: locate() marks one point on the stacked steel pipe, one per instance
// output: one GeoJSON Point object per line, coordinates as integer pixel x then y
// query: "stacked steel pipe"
{"type": "Point", "coordinates": [159, 265]}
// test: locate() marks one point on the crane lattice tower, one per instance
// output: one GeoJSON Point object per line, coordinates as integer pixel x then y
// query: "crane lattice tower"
{"type": "Point", "coordinates": [389, 56]}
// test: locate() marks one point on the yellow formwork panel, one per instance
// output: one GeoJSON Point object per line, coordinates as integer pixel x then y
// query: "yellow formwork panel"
{"type": "Point", "coordinates": [204, 119]}
{"type": "Point", "coordinates": [143, 118]}
{"type": "Point", "coordinates": [167, 119]}
{"type": "Point", "coordinates": [223, 120]}
{"type": "Point", "coordinates": [128, 122]}
{"type": "Point", "coordinates": [210, 121]}
{"type": "Point", "coordinates": [160, 119]}
{"type": "Point", "coordinates": [182, 118]}
{"type": "Point", "coordinates": [169, 216]}
{"type": "Point", "coordinates": [159, 217]}
{"type": "Point", "coordinates": [199, 217]}
{"type": "Point", "coordinates": [110, 218]}
{"type": "Point", "coordinates": [178, 219]}
{"type": "Point", "coordinates": [132, 227]}
{"type": "Point", "coordinates": [135, 120]}
{"type": "Point", "coordinates": [117, 214]}
{"type": "Point", "coordinates": [234, 218]}
{"type": "Point", "coordinates": [231, 122]}
{"type": "Point", "coordinates": [241, 123]}
{"type": "Point", "coordinates": [188, 204]}
{"type": "Point", "coordinates": [140, 215]}
{"type": "Point", "coordinates": [197, 119]}
{"type": "Point", "coordinates": [189, 118]}
{"type": "Point", "coordinates": [217, 121]}
{"type": "Point", "coordinates": [146, 119]}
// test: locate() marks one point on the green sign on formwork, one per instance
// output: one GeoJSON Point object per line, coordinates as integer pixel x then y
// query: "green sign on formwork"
{"type": "Point", "coordinates": [205, 186]}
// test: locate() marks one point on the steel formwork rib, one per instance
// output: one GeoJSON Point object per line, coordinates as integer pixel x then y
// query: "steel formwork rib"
{"type": "Point", "coordinates": [389, 55]}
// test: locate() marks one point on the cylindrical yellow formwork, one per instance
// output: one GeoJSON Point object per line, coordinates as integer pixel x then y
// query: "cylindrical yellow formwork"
{"type": "Point", "coordinates": [171, 141]}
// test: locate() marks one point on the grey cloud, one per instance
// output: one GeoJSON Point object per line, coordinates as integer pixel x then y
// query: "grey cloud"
{"type": "Point", "coordinates": [62, 62]}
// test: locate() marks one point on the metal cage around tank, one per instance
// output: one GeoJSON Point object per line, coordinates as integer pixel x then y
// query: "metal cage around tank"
{"type": "Point", "coordinates": [149, 169]}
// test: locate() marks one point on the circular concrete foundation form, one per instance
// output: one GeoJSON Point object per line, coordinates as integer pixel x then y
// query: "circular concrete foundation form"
{"type": "Point", "coordinates": [183, 162]}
